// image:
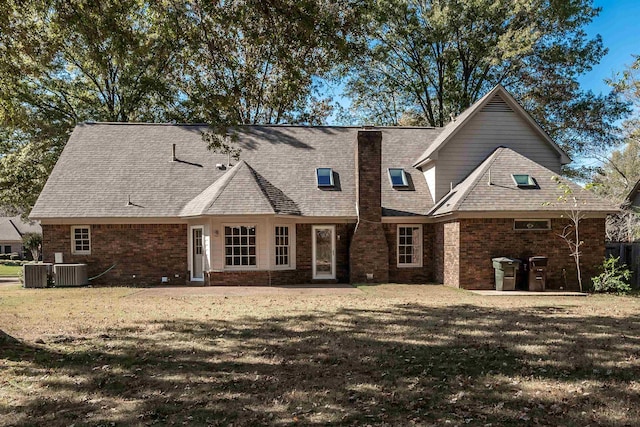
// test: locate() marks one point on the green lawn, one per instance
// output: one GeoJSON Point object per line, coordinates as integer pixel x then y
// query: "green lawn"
{"type": "Point", "coordinates": [393, 355]}
{"type": "Point", "coordinates": [9, 270]}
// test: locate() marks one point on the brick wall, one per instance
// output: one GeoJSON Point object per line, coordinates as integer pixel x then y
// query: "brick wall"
{"type": "Point", "coordinates": [148, 251]}
{"type": "Point", "coordinates": [483, 239]}
{"type": "Point", "coordinates": [451, 253]}
{"type": "Point", "coordinates": [424, 274]}
{"type": "Point", "coordinates": [369, 253]}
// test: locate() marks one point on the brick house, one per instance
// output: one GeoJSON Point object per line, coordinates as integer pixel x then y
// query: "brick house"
{"type": "Point", "coordinates": [315, 204]}
{"type": "Point", "coordinates": [12, 228]}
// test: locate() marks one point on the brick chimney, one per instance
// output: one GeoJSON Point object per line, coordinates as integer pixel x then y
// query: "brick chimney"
{"type": "Point", "coordinates": [369, 252]}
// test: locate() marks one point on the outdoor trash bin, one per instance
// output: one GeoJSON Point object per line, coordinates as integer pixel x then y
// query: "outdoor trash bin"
{"type": "Point", "coordinates": [506, 270]}
{"type": "Point", "coordinates": [537, 273]}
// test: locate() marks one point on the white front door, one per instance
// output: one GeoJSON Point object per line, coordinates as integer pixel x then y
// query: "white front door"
{"type": "Point", "coordinates": [197, 254]}
{"type": "Point", "coordinates": [324, 252]}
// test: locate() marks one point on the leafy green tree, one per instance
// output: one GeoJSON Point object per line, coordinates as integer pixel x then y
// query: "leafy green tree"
{"type": "Point", "coordinates": [430, 59]}
{"type": "Point", "coordinates": [33, 243]}
{"type": "Point", "coordinates": [69, 61]}
{"type": "Point", "coordinates": [255, 61]}
{"type": "Point", "coordinates": [619, 173]}
{"type": "Point", "coordinates": [628, 86]}
{"type": "Point", "coordinates": [64, 62]}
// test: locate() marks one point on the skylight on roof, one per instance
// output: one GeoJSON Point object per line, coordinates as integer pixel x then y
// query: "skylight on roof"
{"type": "Point", "coordinates": [524, 180]}
{"type": "Point", "coordinates": [324, 176]}
{"type": "Point", "coordinates": [398, 177]}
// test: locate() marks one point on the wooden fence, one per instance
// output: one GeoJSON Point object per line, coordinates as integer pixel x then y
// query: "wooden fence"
{"type": "Point", "coordinates": [629, 254]}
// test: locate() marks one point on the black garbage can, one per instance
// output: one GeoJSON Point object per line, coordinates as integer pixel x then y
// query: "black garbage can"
{"type": "Point", "coordinates": [538, 273]}
{"type": "Point", "coordinates": [506, 273]}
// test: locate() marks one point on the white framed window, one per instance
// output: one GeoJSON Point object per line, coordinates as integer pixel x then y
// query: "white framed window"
{"type": "Point", "coordinates": [240, 248]}
{"type": "Point", "coordinates": [324, 177]}
{"type": "Point", "coordinates": [81, 240]}
{"type": "Point", "coordinates": [282, 246]}
{"type": "Point", "coordinates": [410, 245]}
{"type": "Point", "coordinates": [531, 224]}
{"type": "Point", "coordinates": [398, 177]}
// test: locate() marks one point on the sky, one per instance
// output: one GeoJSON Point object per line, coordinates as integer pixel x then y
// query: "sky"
{"type": "Point", "coordinates": [619, 26]}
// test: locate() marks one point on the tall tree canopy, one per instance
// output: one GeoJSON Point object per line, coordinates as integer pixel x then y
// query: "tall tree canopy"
{"type": "Point", "coordinates": [68, 61]}
{"type": "Point", "coordinates": [254, 61]}
{"type": "Point", "coordinates": [430, 59]}
{"type": "Point", "coordinates": [64, 62]}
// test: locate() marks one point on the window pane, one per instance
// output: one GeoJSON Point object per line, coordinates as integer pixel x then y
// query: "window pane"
{"type": "Point", "coordinates": [398, 177]}
{"type": "Point", "coordinates": [282, 246]}
{"type": "Point", "coordinates": [240, 243]}
{"type": "Point", "coordinates": [324, 177]}
{"type": "Point", "coordinates": [410, 245]}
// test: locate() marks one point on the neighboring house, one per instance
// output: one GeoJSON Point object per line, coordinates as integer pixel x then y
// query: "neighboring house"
{"type": "Point", "coordinates": [315, 204]}
{"type": "Point", "coordinates": [11, 231]}
{"type": "Point", "coordinates": [633, 199]}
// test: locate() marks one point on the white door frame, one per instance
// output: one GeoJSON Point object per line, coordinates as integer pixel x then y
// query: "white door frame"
{"type": "Point", "coordinates": [333, 251]}
{"type": "Point", "coordinates": [193, 255]}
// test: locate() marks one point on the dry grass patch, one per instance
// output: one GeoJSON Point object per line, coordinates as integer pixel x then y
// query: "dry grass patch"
{"type": "Point", "coordinates": [394, 355]}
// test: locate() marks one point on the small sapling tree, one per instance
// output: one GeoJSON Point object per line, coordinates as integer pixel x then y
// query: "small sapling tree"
{"type": "Point", "coordinates": [33, 243]}
{"type": "Point", "coordinates": [574, 213]}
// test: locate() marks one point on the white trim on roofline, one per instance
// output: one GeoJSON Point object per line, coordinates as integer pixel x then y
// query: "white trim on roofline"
{"type": "Point", "coordinates": [513, 214]}
{"type": "Point", "coordinates": [432, 152]}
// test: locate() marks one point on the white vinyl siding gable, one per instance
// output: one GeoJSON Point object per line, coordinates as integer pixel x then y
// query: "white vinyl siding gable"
{"type": "Point", "coordinates": [490, 128]}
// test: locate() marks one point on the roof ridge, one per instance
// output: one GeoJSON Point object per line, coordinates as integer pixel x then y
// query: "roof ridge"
{"type": "Point", "coordinates": [224, 182]}
{"type": "Point", "coordinates": [15, 226]}
{"type": "Point", "coordinates": [455, 124]}
{"type": "Point", "coordinates": [262, 189]}
{"type": "Point", "coordinates": [225, 185]}
{"type": "Point", "coordinates": [272, 125]}
{"type": "Point", "coordinates": [490, 160]}
{"type": "Point", "coordinates": [452, 128]}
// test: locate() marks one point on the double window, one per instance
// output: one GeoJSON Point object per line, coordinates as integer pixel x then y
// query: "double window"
{"type": "Point", "coordinates": [410, 246]}
{"type": "Point", "coordinates": [81, 240]}
{"type": "Point", "coordinates": [240, 246]}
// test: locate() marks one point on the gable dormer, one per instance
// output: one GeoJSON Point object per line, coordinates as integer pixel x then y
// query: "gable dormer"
{"type": "Point", "coordinates": [493, 121]}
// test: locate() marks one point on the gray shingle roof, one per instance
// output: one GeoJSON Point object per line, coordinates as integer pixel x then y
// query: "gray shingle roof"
{"type": "Point", "coordinates": [12, 228]}
{"type": "Point", "coordinates": [236, 192]}
{"type": "Point", "coordinates": [105, 165]}
{"type": "Point", "coordinates": [474, 194]}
